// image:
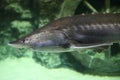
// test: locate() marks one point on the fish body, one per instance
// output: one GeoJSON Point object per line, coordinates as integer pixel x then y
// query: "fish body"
{"type": "Point", "coordinates": [79, 31]}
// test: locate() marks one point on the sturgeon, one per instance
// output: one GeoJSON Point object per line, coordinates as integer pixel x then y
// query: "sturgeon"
{"type": "Point", "coordinates": [75, 32]}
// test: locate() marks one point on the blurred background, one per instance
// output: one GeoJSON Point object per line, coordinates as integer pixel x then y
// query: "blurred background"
{"type": "Point", "coordinates": [20, 17]}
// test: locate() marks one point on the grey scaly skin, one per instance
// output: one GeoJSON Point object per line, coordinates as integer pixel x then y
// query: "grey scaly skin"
{"type": "Point", "coordinates": [70, 33]}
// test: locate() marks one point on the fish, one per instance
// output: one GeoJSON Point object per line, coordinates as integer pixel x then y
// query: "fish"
{"type": "Point", "coordinates": [73, 32]}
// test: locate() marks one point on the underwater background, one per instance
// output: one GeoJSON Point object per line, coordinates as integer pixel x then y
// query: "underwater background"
{"type": "Point", "coordinates": [20, 17]}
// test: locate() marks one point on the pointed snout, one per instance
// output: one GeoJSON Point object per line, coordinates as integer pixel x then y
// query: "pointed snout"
{"type": "Point", "coordinates": [12, 44]}
{"type": "Point", "coordinates": [16, 45]}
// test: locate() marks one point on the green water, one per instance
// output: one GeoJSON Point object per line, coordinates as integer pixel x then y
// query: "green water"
{"type": "Point", "coordinates": [28, 69]}
{"type": "Point", "coordinates": [20, 17]}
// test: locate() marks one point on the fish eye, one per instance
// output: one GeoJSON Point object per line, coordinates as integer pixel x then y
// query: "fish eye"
{"type": "Point", "coordinates": [25, 40]}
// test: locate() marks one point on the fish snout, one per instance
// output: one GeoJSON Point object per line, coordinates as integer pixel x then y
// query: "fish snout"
{"type": "Point", "coordinates": [16, 44]}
